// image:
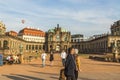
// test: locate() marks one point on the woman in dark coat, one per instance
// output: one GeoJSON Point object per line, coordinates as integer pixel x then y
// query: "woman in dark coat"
{"type": "Point", "coordinates": [70, 66]}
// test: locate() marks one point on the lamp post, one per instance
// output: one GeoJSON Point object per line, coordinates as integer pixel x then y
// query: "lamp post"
{"type": "Point", "coordinates": [21, 52]}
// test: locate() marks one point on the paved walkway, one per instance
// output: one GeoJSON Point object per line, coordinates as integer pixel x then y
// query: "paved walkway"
{"type": "Point", "coordinates": [91, 70]}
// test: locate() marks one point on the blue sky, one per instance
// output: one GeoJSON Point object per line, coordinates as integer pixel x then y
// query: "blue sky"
{"type": "Point", "coordinates": [86, 17]}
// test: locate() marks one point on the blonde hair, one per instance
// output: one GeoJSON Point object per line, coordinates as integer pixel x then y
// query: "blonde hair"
{"type": "Point", "coordinates": [76, 51]}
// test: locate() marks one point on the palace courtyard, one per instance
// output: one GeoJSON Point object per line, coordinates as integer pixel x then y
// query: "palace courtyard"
{"type": "Point", "coordinates": [91, 70]}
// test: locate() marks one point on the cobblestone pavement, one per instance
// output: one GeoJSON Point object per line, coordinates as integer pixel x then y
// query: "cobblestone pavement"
{"type": "Point", "coordinates": [91, 70]}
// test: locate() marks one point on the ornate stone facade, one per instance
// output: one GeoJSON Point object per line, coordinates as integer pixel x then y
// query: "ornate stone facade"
{"type": "Point", "coordinates": [14, 45]}
{"type": "Point", "coordinates": [58, 39]}
{"type": "Point", "coordinates": [10, 43]}
{"type": "Point", "coordinates": [2, 29]}
{"type": "Point", "coordinates": [99, 45]}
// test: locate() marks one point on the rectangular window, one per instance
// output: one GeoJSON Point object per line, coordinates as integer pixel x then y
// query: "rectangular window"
{"type": "Point", "coordinates": [32, 47]}
{"type": "Point", "coordinates": [39, 47]}
{"type": "Point", "coordinates": [117, 29]}
{"type": "Point", "coordinates": [29, 47]}
{"type": "Point", "coordinates": [26, 47]}
{"type": "Point", "coordinates": [36, 47]}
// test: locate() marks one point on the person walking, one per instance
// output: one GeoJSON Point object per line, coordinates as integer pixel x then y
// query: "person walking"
{"type": "Point", "coordinates": [16, 59]}
{"type": "Point", "coordinates": [70, 65]}
{"type": "Point", "coordinates": [77, 62]}
{"type": "Point", "coordinates": [51, 58]}
{"type": "Point", "coordinates": [43, 57]}
{"type": "Point", "coordinates": [63, 56]}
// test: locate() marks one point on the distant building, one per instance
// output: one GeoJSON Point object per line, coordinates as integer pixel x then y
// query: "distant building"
{"type": "Point", "coordinates": [15, 45]}
{"type": "Point", "coordinates": [96, 36]}
{"type": "Point", "coordinates": [2, 28]}
{"type": "Point", "coordinates": [12, 33]}
{"type": "Point", "coordinates": [26, 41]}
{"type": "Point", "coordinates": [115, 28]}
{"type": "Point", "coordinates": [77, 38]}
{"type": "Point", "coordinates": [58, 39]}
{"type": "Point", "coordinates": [32, 35]}
{"type": "Point", "coordinates": [100, 43]}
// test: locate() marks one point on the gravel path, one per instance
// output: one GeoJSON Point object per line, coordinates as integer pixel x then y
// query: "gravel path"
{"type": "Point", "coordinates": [91, 70]}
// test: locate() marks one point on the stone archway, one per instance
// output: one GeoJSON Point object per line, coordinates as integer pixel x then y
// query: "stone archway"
{"type": "Point", "coordinates": [57, 48]}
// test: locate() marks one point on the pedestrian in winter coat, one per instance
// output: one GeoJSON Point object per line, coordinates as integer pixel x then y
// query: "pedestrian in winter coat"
{"type": "Point", "coordinates": [70, 65]}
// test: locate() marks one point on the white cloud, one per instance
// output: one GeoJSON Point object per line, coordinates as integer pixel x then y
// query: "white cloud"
{"type": "Point", "coordinates": [84, 21]}
{"type": "Point", "coordinates": [76, 1]}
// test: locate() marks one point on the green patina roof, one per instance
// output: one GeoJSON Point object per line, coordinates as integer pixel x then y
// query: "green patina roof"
{"type": "Point", "coordinates": [51, 30]}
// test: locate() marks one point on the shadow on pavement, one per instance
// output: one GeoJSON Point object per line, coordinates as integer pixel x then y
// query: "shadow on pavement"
{"type": "Point", "coordinates": [40, 65]}
{"type": "Point", "coordinates": [52, 76]}
{"type": "Point", "coordinates": [80, 78]}
{"type": "Point", "coordinates": [55, 78]}
{"type": "Point", "coordinates": [21, 77]}
{"type": "Point", "coordinates": [36, 65]}
{"type": "Point", "coordinates": [14, 77]}
{"type": "Point", "coordinates": [42, 73]}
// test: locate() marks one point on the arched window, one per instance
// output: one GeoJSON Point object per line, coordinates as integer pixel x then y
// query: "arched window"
{"type": "Point", "coordinates": [39, 47]}
{"type": "Point", "coordinates": [43, 47]}
{"type": "Point", "coordinates": [26, 47]}
{"type": "Point", "coordinates": [29, 47]}
{"type": "Point", "coordinates": [36, 47]}
{"type": "Point", "coordinates": [65, 38]}
{"type": "Point", "coordinates": [51, 46]}
{"type": "Point", "coordinates": [5, 44]}
{"type": "Point", "coordinates": [32, 47]}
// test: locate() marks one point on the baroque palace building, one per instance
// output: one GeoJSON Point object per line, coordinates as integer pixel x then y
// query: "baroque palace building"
{"type": "Point", "coordinates": [58, 39]}
{"type": "Point", "coordinates": [30, 40]}
{"type": "Point", "coordinates": [100, 43]}
{"type": "Point", "coordinates": [11, 43]}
